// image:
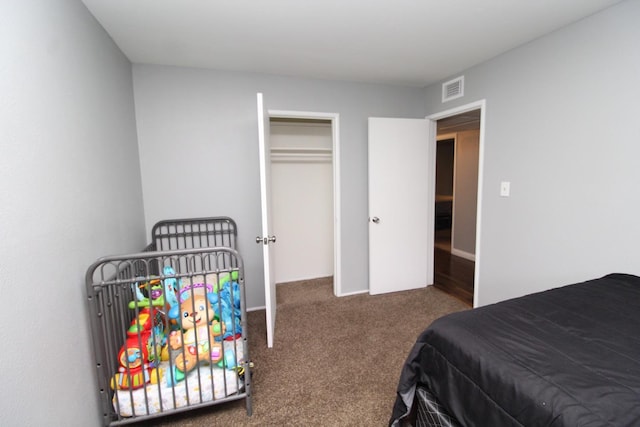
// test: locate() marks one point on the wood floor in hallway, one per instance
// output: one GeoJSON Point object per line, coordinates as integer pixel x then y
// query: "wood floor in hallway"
{"type": "Point", "coordinates": [454, 275]}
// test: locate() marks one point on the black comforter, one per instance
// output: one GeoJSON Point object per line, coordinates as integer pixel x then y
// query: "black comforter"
{"type": "Point", "coordinates": [565, 357]}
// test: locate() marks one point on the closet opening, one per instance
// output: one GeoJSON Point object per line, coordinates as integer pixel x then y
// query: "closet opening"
{"type": "Point", "coordinates": [303, 200]}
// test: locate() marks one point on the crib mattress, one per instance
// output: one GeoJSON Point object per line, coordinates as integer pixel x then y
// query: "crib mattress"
{"type": "Point", "coordinates": [204, 384]}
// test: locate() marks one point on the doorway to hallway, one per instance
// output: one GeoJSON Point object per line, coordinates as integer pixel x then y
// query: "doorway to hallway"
{"type": "Point", "coordinates": [456, 201]}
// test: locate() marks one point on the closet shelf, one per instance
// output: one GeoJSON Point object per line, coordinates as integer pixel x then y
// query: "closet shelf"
{"type": "Point", "coordinates": [301, 154]}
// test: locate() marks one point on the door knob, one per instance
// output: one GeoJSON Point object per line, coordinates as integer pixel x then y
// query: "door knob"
{"type": "Point", "coordinates": [265, 240]}
{"type": "Point", "coordinates": [375, 220]}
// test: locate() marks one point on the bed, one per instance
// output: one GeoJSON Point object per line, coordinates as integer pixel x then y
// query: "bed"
{"type": "Point", "coordinates": [569, 356]}
{"type": "Point", "coordinates": [169, 323]}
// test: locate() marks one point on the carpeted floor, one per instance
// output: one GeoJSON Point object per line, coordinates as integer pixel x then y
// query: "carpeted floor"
{"type": "Point", "coordinates": [335, 361]}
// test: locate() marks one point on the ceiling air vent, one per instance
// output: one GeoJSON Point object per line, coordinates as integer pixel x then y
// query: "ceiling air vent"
{"type": "Point", "coordinates": [453, 89]}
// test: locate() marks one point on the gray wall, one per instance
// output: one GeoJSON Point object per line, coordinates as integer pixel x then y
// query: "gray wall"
{"type": "Point", "coordinates": [70, 192]}
{"type": "Point", "coordinates": [197, 133]}
{"type": "Point", "coordinates": [562, 126]}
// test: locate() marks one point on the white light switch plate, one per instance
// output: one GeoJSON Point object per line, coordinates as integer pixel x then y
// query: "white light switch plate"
{"type": "Point", "coordinates": [505, 188]}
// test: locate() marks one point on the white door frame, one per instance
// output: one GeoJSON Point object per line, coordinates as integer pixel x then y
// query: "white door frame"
{"type": "Point", "coordinates": [335, 136]}
{"type": "Point", "coordinates": [477, 105]}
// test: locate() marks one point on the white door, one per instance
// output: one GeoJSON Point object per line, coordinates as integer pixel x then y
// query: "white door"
{"type": "Point", "coordinates": [401, 186]}
{"type": "Point", "coordinates": [266, 240]}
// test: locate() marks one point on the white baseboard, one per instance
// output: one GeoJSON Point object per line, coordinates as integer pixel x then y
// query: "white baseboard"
{"type": "Point", "coordinates": [256, 308]}
{"type": "Point", "coordinates": [463, 254]}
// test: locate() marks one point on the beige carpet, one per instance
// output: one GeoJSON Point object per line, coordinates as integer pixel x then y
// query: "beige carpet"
{"type": "Point", "coordinates": [335, 361]}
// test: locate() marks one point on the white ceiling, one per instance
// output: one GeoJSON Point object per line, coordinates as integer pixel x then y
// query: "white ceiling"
{"type": "Point", "coordinates": [407, 42]}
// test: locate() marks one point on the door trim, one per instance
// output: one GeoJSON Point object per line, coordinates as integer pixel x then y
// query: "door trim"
{"type": "Point", "coordinates": [335, 136]}
{"type": "Point", "coordinates": [482, 106]}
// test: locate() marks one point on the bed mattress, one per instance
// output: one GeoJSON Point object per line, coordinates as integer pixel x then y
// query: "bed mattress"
{"type": "Point", "coordinates": [569, 356]}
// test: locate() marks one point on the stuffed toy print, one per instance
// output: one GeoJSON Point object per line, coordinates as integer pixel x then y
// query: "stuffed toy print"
{"type": "Point", "coordinates": [195, 341]}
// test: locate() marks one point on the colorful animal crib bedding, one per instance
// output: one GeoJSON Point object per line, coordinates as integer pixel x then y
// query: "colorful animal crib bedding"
{"type": "Point", "coordinates": [205, 383]}
{"type": "Point", "coordinates": [565, 357]}
{"type": "Point", "coordinates": [182, 345]}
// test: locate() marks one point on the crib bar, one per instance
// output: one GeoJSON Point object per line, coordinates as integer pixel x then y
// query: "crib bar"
{"type": "Point", "coordinates": [206, 232]}
{"type": "Point", "coordinates": [149, 361]}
